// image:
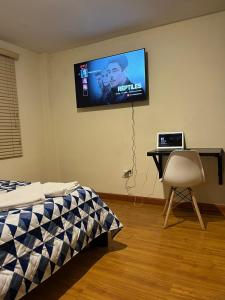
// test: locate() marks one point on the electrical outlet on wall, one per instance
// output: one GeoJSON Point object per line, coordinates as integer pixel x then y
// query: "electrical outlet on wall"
{"type": "Point", "coordinates": [127, 173]}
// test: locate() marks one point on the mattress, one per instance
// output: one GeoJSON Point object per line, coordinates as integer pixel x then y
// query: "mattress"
{"type": "Point", "coordinates": [36, 241]}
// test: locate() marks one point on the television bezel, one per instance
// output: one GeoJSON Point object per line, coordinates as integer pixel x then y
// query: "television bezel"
{"type": "Point", "coordinates": [138, 99]}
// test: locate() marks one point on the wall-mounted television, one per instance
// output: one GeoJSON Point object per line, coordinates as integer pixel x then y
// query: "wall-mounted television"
{"type": "Point", "coordinates": [109, 80]}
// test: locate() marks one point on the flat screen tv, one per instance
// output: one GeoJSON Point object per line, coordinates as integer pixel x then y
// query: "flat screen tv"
{"type": "Point", "coordinates": [110, 80]}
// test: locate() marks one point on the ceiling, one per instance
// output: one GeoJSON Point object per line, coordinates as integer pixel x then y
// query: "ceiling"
{"type": "Point", "coordinates": [54, 25]}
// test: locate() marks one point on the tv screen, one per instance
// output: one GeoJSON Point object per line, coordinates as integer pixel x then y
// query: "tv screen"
{"type": "Point", "coordinates": [114, 79]}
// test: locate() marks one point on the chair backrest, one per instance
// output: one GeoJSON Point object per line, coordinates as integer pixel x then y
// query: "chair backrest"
{"type": "Point", "coordinates": [184, 168]}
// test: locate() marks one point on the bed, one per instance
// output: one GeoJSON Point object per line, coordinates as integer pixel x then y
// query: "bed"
{"type": "Point", "coordinates": [35, 241]}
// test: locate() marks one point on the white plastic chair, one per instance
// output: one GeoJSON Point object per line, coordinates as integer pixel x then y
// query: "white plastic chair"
{"type": "Point", "coordinates": [183, 169]}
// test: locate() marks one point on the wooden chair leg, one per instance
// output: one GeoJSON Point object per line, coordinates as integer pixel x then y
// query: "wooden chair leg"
{"type": "Point", "coordinates": [169, 208]}
{"type": "Point", "coordinates": [195, 206]}
{"type": "Point", "coordinates": [167, 202]}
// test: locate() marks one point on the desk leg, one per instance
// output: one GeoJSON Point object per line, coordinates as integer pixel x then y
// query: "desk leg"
{"type": "Point", "coordinates": [158, 163]}
{"type": "Point", "coordinates": [160, 167]}
{"type": "Point", "coordinates": [220, 168]}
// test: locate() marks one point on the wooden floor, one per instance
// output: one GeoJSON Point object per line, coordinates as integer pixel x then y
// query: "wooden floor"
{"type": "Point", "coordinates": [147, 262]}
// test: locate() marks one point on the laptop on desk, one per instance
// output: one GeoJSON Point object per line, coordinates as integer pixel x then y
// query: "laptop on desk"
{"type": "Point", "coordinates": [170, 140]}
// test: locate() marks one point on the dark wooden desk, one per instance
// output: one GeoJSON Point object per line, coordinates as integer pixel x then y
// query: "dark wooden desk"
{"type": "Point", "coordinates": [158, 154]}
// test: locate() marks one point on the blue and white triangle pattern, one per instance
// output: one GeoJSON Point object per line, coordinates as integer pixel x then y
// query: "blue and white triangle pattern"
{"type": "Point", "coordinates": [36, 241]}
{"type": "Point", "coordinates": [10, 185]}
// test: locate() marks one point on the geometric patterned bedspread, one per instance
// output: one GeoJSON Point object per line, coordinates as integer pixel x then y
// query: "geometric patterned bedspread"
{"type": "Point", "coordinates": [36, 241]}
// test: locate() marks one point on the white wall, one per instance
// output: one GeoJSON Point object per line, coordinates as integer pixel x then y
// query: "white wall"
{"type": "Point", "coordinates": [186, 85]}
{"type": "Point", "coordinates": [32, 166]}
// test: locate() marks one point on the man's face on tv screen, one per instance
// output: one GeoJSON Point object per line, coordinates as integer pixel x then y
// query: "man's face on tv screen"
{"type": "Point", "coordinates": [116, 74]}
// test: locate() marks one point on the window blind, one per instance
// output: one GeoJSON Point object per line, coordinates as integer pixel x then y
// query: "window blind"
{"type": "Point", "coordinates": [10, 137]}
